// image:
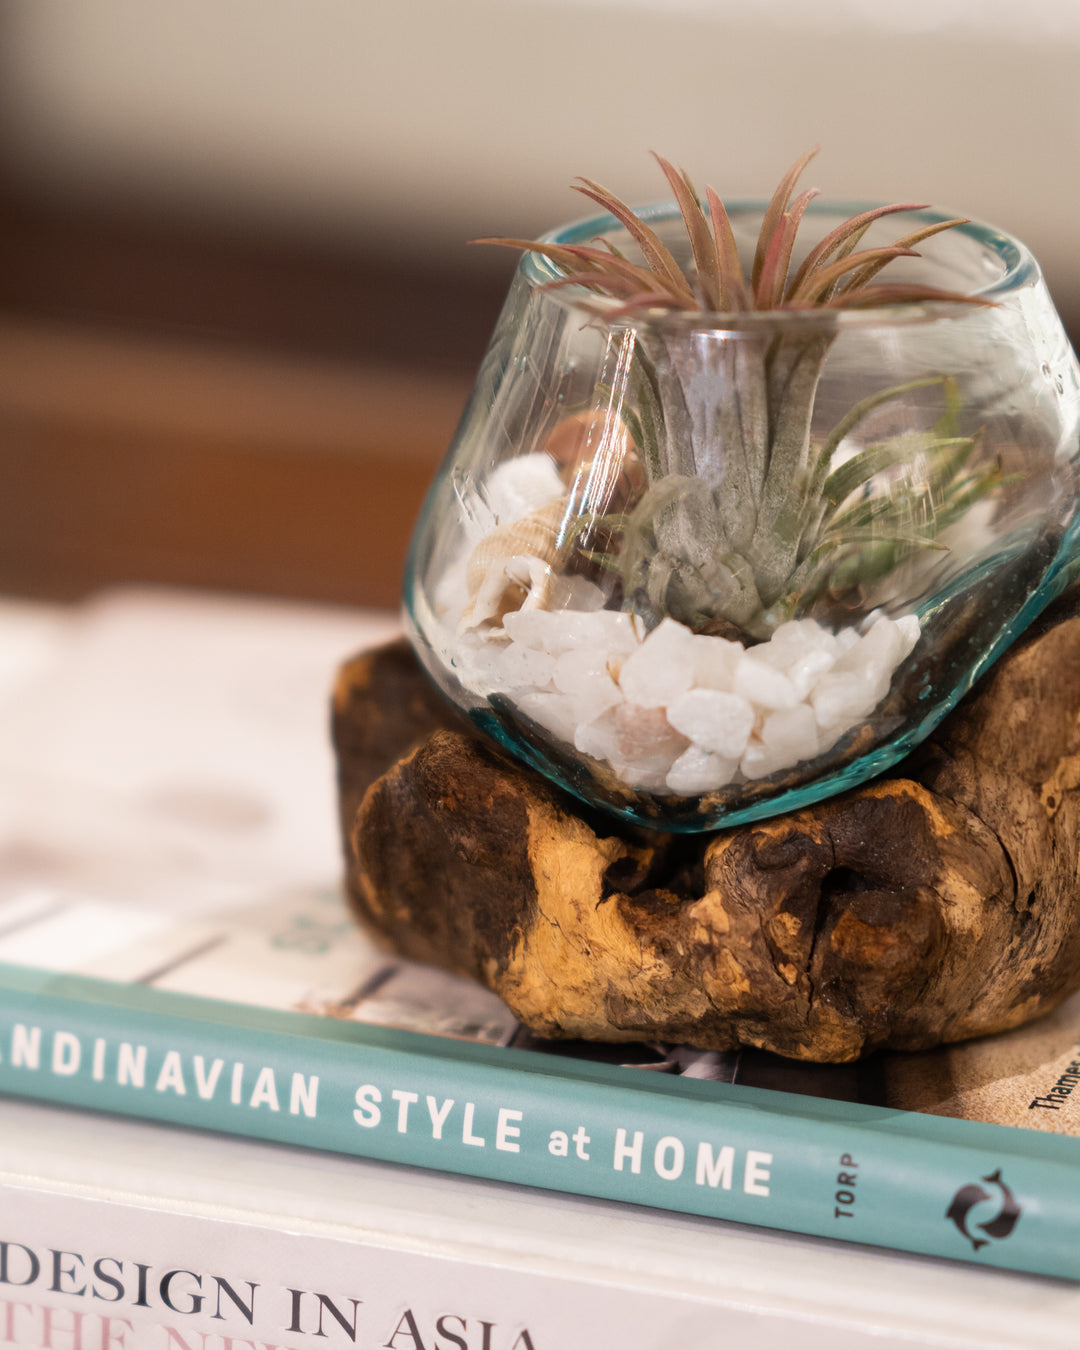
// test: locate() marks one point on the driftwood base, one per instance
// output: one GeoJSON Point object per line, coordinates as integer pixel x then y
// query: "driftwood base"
{"type": "Point", "coordinates": [927, 907]}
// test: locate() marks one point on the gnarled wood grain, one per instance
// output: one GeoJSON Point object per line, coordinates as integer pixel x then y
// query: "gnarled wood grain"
{"type": "Point", "coordinates": [925, 907]}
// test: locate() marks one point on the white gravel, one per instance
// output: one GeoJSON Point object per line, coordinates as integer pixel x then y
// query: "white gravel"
{"type": "Point", "coordinates": [669, 711]}
{"type": "Point", "coordinates": [672, 711]}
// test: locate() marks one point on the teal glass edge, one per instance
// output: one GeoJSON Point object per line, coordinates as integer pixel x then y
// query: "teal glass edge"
{"type": "Point", "coordinates": [1020, 265]}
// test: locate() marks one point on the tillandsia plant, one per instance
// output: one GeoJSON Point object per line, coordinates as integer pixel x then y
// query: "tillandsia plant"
{"type": "Point", "coordinates": [743, 519]}
{"type": "Point", "coordinates": [745, 498]}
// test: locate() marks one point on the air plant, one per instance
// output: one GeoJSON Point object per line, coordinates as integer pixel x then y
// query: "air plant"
{"type": "Point", "coordinates": [744, 519]}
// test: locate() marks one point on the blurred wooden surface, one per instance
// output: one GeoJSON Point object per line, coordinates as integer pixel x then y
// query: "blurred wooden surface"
{"type": "Point", "coordinates": [184, 405]}
{"type": "Point", "coordinates": [132, 460]}
{"type": "Point", "coordinates": [189, 410]}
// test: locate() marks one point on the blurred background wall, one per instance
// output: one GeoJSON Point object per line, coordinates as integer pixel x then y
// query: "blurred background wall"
{"type": "Point", "coordinates": [238, 318]}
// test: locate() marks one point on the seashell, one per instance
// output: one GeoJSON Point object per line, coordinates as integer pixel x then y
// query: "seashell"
{"type": "Point", "coordinates": [583, 435]}
{"type": "Point", "coordinates": [597, 459]}
{"type": "Point", "coordinates": [535, 535]}
{"type": "Point", "coordinates": [511, 568]}
{"type": "Point", "coordinates": [510, 584]}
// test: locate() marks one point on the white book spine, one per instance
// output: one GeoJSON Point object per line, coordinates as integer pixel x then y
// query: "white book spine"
{"type": "Point", "coordinates": [78, 1273]}
{"type": "Point", "coordinates": [122, 1235]}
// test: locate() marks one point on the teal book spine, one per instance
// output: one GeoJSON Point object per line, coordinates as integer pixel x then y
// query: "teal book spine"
{"type": "Point", "coordinates": [994, 1195]}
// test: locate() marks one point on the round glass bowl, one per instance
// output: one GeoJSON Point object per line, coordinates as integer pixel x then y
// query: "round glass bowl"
{"type": "Point", "coordinates": [701, 569]}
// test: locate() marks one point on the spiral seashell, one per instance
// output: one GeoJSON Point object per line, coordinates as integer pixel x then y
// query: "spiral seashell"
{"type": "Point", "coordinates": [535, 535]}
{"type": "Point", "coordinates": [511, 566]}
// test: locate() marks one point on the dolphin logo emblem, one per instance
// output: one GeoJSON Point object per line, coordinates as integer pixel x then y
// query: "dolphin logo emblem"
{"type": "Point", "coordinates": [997, 1228]}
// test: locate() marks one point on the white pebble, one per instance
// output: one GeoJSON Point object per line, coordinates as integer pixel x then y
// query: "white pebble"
{"type": "Point", "coordinates": [583, 673]}
{"type": "Point", "coordinates": [580, 666]}
{"type": "Point", "coordinates": [715, 659]}
{"type": "Point", "coordinates": [518, 666]}
{"type": "Point", "coordinates": [805, 671]}
{"type": "Point", "coordinates": [696, 770]}
{"type": "Point", "coordinates": [660, 669]}
{"type": "Point", "coordinates": [878, 649]}
{"type": "Point", "coordinates": [646, 739]}
{"type": "Point", "coordinates": [561, 630]}
{"type": "Point", "coordinates": [539, 629]}
{"type": "Point", "coordinates": [477, 663]}
{"type": "Point", "coordinates": [794, 638]}
{"type": "Point", "coordinates": [518, 487]}
{"type": "Point", "coordinates": [555, 712]}
{"type": "Point", "coordinates": [910, 632]}
{"type": "Point", "coordinates": [791, 733]}
{"type": "Point", "coordinates": [598, 738]}
{"type": "Point", "coordinates": [598, 698]}
{"type": "Point", "coordinates": [761, 684]}
{"type": "Point", "coordinates": [760, 760]}
{"type": "Point", "coordinates": [840, 699]}
{"type": "Point", "coordinates": [642, 779]}
{"type": "Point", "coordinates": [577, 593]}
{"type": "Point", "coordinates": [714, 720]}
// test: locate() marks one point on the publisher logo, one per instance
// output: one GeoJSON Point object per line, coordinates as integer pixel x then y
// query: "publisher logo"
{"type": "Point", "coordinates": [968, 1197]}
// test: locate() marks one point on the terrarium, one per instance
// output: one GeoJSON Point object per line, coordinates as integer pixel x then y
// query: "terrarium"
{"type": "Point", "coordinates": [735, 515]}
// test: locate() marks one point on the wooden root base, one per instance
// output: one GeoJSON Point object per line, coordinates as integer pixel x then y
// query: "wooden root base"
{"type": "Point", "coordinates": [927, 907]}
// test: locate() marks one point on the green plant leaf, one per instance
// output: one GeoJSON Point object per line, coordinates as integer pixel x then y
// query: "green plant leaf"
{"type": "Point", "coordinates": [857, 471]}
{"type": "Point", "coordinates": [863, 408]}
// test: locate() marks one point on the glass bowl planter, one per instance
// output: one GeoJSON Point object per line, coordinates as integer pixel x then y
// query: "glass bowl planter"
{"type": "Point", "coordinates": [703, 569]}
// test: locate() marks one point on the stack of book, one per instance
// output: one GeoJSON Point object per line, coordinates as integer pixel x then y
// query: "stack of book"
{"type": "Point", "coordinates": [228, 1119]}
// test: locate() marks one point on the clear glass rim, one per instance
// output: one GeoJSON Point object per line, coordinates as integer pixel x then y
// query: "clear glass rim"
{"type": "Point", "coordinates": [1019, 270]}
